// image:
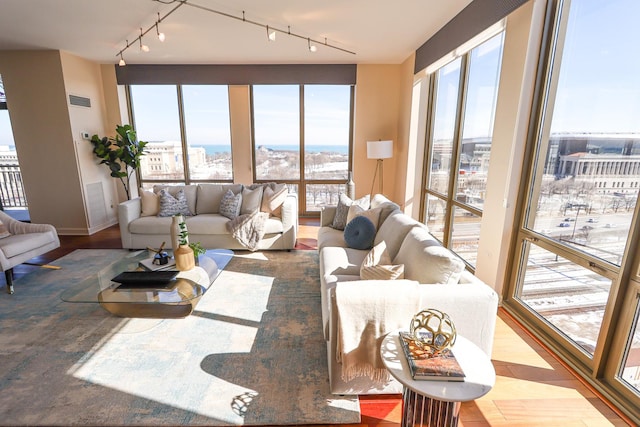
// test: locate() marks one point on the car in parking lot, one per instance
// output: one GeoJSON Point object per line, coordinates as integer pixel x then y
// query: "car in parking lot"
{"type": "Point", "coordinates": [564, 224]}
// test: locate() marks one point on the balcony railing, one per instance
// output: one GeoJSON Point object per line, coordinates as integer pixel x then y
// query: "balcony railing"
{"type": "Point", "coordinates": [11, 187]}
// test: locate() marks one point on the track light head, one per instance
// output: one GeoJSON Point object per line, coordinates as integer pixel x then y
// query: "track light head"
{"type": "Point", "coordinates": [143, 47]}
{"type": "Point", "coordinates": [312, 47]}
{"type": "Point", "coordinates": [271, 34]}
{"type": "Point", "coordinates": [122, 63]}
{"type": "Point", "coordinates": [160, 35]}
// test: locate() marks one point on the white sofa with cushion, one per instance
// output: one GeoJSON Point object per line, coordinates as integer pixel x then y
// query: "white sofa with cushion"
{"type": "Point", "coordinates": [357, 313]}
{"type": "Point", "coordinates": [143, 223]}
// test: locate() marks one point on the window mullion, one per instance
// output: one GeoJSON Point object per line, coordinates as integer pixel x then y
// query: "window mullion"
{"type": "Point", "coordinates": [183, 135]}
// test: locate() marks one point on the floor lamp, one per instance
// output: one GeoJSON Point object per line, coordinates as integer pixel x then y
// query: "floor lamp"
{"type": "Point", "coordinates": [379, 150]}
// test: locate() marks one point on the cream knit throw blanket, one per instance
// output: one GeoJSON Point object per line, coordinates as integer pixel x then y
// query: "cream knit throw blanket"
{"type": "Point", "coordinates": [248, 229]}
{"type": "Point", "coordinates": [366, 313]}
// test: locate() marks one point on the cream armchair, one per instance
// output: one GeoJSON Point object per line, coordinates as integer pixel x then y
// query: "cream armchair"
{"type": "Point", "coordinates": [25, 241]}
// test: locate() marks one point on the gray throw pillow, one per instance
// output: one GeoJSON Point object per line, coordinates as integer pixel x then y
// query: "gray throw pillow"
{"type": "Point", "coordinates": [230, 204]}
{"type": "Point", "coordinates": [342, 210]}
{"type": "Point", "coordinates": [170, 205]}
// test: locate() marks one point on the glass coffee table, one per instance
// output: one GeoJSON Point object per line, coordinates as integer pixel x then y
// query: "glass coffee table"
{"type": "Point", "coordinates": [174, 299]}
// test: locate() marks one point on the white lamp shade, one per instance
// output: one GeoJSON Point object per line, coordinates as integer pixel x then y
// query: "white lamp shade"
{"type": "Point", "coordinates": [379, 149]}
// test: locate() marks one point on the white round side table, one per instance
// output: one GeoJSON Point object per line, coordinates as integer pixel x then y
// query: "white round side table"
{"type": "Point", "coordinates": [437, 403]}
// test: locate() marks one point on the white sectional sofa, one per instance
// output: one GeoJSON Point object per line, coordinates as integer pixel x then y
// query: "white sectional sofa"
{"type": "Point", "coordinates": [140, 229]}
{"type": "Point", "coordinates": [434, 277]}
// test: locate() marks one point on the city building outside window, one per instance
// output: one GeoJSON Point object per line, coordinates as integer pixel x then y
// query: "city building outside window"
{"type": "Point", "coordinates": [462, 101]}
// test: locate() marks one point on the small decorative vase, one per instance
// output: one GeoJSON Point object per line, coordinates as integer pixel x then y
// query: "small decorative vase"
{"type": "Point", "coordinates": [351, 187]}
{"type": "Point", "coordinates": [184, 258]}
{"type": "Point", "coordinates": [175, 231]}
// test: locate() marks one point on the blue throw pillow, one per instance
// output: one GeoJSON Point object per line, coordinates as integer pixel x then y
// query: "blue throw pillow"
{"type": "Point", "coordinates": [360, 233]}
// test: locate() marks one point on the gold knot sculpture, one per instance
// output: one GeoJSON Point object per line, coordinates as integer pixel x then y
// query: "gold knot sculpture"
{"type": "Point", "coordinates": [433, 331]}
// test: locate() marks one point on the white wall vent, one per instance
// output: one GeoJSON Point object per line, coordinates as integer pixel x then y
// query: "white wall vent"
{"type": "Point", "coordinates": [80, 101]}
{"type": "Point", "coordinates": [96, 206]}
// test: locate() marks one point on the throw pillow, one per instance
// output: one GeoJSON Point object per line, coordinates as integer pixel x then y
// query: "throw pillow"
{"type": "Point", "coordinates": [272, 199]}
{"type": "Point", "coordinates": [150, 203]}
{"type": "Point", "coordinates": [359, 233]}
{"type": "Point", "coordinates": [230, 204]}
{"type": "Point", "coordinates": [354, 210]}
{"type": "Point", "coordinates": [251, 199]}
{"type": "Point", "coordinates": [170, 206]}
{"type": "Point", "coordinates": [4, 231]}
{"type": "Point", "coordinates": [377, 265]}
{"type": "Point", "coordinates": [372, 214]}
{"type": "Point", "coordinates": [342, 210]}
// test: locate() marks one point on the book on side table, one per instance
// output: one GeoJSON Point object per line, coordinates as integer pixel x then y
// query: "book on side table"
{"type": "Point", "coordinates": [443, 367]}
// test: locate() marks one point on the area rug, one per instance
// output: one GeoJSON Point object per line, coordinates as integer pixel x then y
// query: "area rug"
{"type": "Point", "coordinates": [252, 353]}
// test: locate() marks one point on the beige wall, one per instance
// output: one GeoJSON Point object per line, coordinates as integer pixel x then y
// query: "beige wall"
{"type": "Point", "coordinates": [55, 161]}
{"type": "Point", "coordinates": [377, 106]}
{"type": "Point", "coordinates": [240, 116]}
{"type": "Point", "coordinates": [37, 102]}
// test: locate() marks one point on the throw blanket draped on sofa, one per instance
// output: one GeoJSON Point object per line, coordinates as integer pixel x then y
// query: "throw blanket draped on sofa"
{"type": "Point", "coordinates": [248, 229]}
{"type": "Point", "coordinates": [363, 323]}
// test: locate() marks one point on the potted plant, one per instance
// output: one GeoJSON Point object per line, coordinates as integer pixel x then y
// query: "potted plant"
{"type": "Point", "coordinates": [183, 253]}
{"type": "Point", "coordinates": [121, 154]}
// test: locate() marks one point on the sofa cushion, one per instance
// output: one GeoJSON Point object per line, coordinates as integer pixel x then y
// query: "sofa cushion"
{"type": "Point", "coordinates": [210, 196]}
{"type": "Point", "coordinates": [230, 204]}
{"type": "Point", "coordinates": [393, 230]}
{"type": "Point", "coordinates": [251, 200]}
{"type": "Point", "coordinates": [190, 191]}
{"type": "Point", "coordinates": [207, 224]}
{"type": "Point", "coordinates": [342, 210]}
{"type": "Point", "coordinates": [149, 203]}
{"type": "Point", "coordinates": [170, 205]}
{"type": "Point", "coordinates": [377, 265]}
{"type": "Point", "coordinates": [328, 236]}
{"type": "Point", "coordinates": [342, 261]}
{"type": "Point", "coordinates": [426, 260]}
{"type": "Point", "coordinates": [273, 197]}
{"type": "Point", "coordinates": [17, 244]}
{"type": "Point", "coordinates": [359, 233]}
{"type": "Point", "coordinates": [151, 225]}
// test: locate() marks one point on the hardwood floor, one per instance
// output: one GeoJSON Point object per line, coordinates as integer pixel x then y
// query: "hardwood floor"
{"type": "Point", "coordinates": [532, 388]}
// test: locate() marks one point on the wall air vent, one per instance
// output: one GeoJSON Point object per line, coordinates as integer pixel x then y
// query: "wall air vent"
{"type": "Point", "coordinates": [80, 101]}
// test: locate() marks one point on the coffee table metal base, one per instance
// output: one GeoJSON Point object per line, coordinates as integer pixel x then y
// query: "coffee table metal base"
{"type": "Point", "coordinates": [419, 410]}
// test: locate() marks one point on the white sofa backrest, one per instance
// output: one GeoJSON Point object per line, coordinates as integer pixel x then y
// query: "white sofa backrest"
{"type": "Point", "coordinates": [427, 261]}
{"type": "Point", "coordinates": [210, 195]}
{"type": "Point", "coordinates": [393, 231]}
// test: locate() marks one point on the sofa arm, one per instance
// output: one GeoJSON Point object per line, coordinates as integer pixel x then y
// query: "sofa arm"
{"type": "Point", "coordinates": [327, 213]}
{"type": "Point", "coordinates": [290, 221]}
{"type": "Point", "coordinates": [127, 212]}
{"type": "Point", "coordinates": [472, 306]}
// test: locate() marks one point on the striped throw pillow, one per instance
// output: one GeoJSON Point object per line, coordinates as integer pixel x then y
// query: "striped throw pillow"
{"type": "Point", "coordinates": [377, 265]}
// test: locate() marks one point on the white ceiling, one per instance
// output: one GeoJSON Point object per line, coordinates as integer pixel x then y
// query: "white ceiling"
{"type": "Point", "coordinates": [378, 31]}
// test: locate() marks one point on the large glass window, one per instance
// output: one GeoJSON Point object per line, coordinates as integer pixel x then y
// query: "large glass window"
{"type": "Point", "coordinates": [463, 99]}
{"type": "Point", "coordinates": [276, 127]}
{"type": "Point", "coordinates": [304, 128]}
{"type": "Point", "coordinates": [208, 132]}
{"type": "Point", "coordinates": [576, 243]}
{"type": "Point", "coordinates": [202, 144]}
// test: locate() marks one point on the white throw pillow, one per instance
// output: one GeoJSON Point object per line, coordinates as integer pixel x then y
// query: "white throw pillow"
{"type": "Point", "coordinates": [377, 265]}
{"type": "Point", "coordinates": [251, 200]}
{"type": "Point", "coordinates": [150, 203]}
{"type": "Point", "coordinates": [273, 198]}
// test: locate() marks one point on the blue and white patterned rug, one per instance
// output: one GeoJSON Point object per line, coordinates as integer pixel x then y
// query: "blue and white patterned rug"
{"type": "Point", "coordinates": [252, 353]}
